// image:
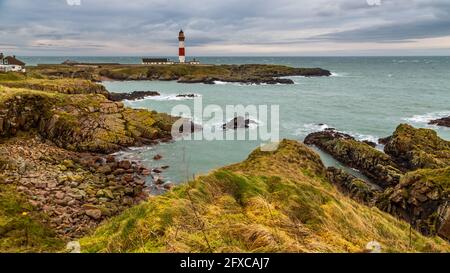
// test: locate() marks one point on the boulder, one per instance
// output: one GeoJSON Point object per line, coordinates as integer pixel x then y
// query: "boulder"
{"type": "Point", "coordinates": [445, 122]}
{"type": "Point", "coordinates": [168, 186]}
{"type": "Point", "coordinates": [125, 164]}
{"type": "Point", "coordinates": [110, 159]}
{"type": "Point", "coordinates": [94, 213]}
{"type": "Point", "coordinates": [187, 96]}
{"type": "Point", "coordinates": [356, 188]}
{"type": "Point", "coordinates": [136, 95]}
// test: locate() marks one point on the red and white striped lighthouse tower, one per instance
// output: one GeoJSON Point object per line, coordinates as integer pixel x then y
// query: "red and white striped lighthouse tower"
{"type": "Point", "coordinates": [181, 49]}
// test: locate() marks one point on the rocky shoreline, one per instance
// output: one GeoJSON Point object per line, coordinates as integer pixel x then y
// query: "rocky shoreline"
{"type": "Point", "coordinates": [445, 122]}
{"type": "Point", "coordinates": [76, 191]}
{"type": "Point", "coordinates": [58, 181]}
{"type": "Point", "coordinates": [55, 171]}
{"type": "Point", "coordinates": [136, 95]}
{"type": "Point", "coordinates": [413, 173]}
{"type": "Point", "coordinates": [207, 74]}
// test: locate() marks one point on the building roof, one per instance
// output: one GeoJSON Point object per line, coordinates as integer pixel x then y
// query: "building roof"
{"type": "Point", "coordinates": [12, 61]}
{"type": "Point", "coordinates": [155, 60]}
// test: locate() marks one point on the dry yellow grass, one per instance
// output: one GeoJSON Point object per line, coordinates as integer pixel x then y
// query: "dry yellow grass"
{"type": "Point", "coordinates": [272, 202]}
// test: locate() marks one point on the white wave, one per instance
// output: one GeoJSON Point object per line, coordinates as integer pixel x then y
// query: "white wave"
{"type": "Point", "coordinates": [426, 118]}
{"type": "Point", "coordinates": [132, 151]}
{"type": "Point", "coordinates": [341, 75]}
{"type": "Point", "coordinates": [243, 84]}
{"type": "Point", "coordinates": [254, 124]}
{"type": "Point", "coordinates": [407, 61]}
{"type": "Point", "coordinates": [220, 82]}
{"type": "Point", "coordinates": [311, 128]}
{"type": "Point", "coordinates": [163, 97]}
{"type": "Point", "coordinates": [363, 137]}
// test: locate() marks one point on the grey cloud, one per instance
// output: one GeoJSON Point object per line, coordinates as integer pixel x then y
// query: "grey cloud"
{"type": "Point", "coordinates": [110, 24]}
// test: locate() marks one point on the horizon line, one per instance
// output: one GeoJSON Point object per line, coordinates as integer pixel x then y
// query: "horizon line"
{"type": "Point", "coordinates": [230, 56]}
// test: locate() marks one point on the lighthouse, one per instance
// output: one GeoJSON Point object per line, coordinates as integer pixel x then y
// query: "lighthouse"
{"type": "Point", "coordinates": [181, 49]}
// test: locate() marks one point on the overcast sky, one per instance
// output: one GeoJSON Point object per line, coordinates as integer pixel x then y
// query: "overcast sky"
{"type": "Point", "coordinates": [225, 27]}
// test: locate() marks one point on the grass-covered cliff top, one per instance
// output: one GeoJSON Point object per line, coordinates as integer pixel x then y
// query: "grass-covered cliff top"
{"type": "Point", "coordinates": [66, 85]}
{"type": "Point", "coordinates": [184, 73]}
{"type": "Point", "coordinates": [272, 202]}
{"type": "Point", "coordinates": [21, 227]}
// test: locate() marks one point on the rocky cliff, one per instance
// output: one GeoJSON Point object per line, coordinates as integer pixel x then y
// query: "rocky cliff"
{"type": "Point", "coordinates": [413, 172]}
{"type": "Point", "coordinates": [54, 186]}
{"type": "Point", "coordinates": [376, 165]}
{"type": "Point", "coordinates": [272, 202]}
{"type": "Point", "coordinates": [81, 122]}
{"type": "Point", "coordinates": [247, 74]}
{"type": "Point", "coordinates": [415, 148]}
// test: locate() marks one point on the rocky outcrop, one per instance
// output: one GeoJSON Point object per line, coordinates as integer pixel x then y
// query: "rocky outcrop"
{"type": "Point", "coordinates": [422, 198]}
{"type": "Point", "coordinates": [238, 123]}
{"type": "Point", "coordinates": [82, 122]}
{"type": "Point", "coordinates": [414, 149]}
{"type": "Point", "coordinates": [254, 80]}
{"type": "Point", "coordinates": [277, 201]}
{"type": "Point", "coordinates": [246, 74]}
{"type": "Point", "coordinates": [187, 96]}
{"type": "Point", "coordinates": [136, 95]}
{"type": "Point", "coordinates": [445, 122]}
{"type": "Point", "coordinates": [356, 188]}
{"type": "Point", "coordinates": [64, 86]}
{"type": "Point", "coordinates": [376, 165]}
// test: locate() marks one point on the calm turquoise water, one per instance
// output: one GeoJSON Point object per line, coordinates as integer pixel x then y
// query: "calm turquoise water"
{"type": "Point", "coordinates": [367, 97]}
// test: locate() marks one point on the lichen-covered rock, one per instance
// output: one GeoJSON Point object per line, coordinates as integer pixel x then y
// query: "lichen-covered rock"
{"type": "Point", "coordinates": [376, 165]}
{"type": "Point", "coordinates": [64, 86]}
{"type": "Point", "coordinates": [421, 198]}
{"type": "Point", "coordinates": [277, 201]}
{"type": "Point", "coordinates": [414, 148]}
{"type": "Point", "coordinates": [247, 74]}
{"type": "Point", "coordinates": [74, 191]}
{"type": "Point", "coordinates": [354, 187]}
{"type": "Point", "coordinates": [136, 95]}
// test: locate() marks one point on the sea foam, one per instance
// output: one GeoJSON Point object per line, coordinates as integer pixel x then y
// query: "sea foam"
{"type": "Point", "coordinates": [163, 97]}
{"type": "Point", "coordinates": [309, 128]}
{"type": "Point", "coordinates": [426, 118]}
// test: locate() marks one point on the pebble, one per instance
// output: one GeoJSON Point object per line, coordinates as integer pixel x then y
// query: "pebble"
{"type": "Point", "coordinates": [66, 190]}
{"type": "Point", "coordinates": [94, 213]}
{"type": "Point", "coordinates": [125, 164]}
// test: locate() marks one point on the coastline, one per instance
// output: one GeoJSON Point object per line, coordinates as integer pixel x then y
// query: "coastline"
{"type": "Point", "coordinates": [110, 143]}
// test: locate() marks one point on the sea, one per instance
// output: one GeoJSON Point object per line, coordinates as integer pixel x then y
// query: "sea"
{"type": "Point", "coordinates": [366, 97]}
